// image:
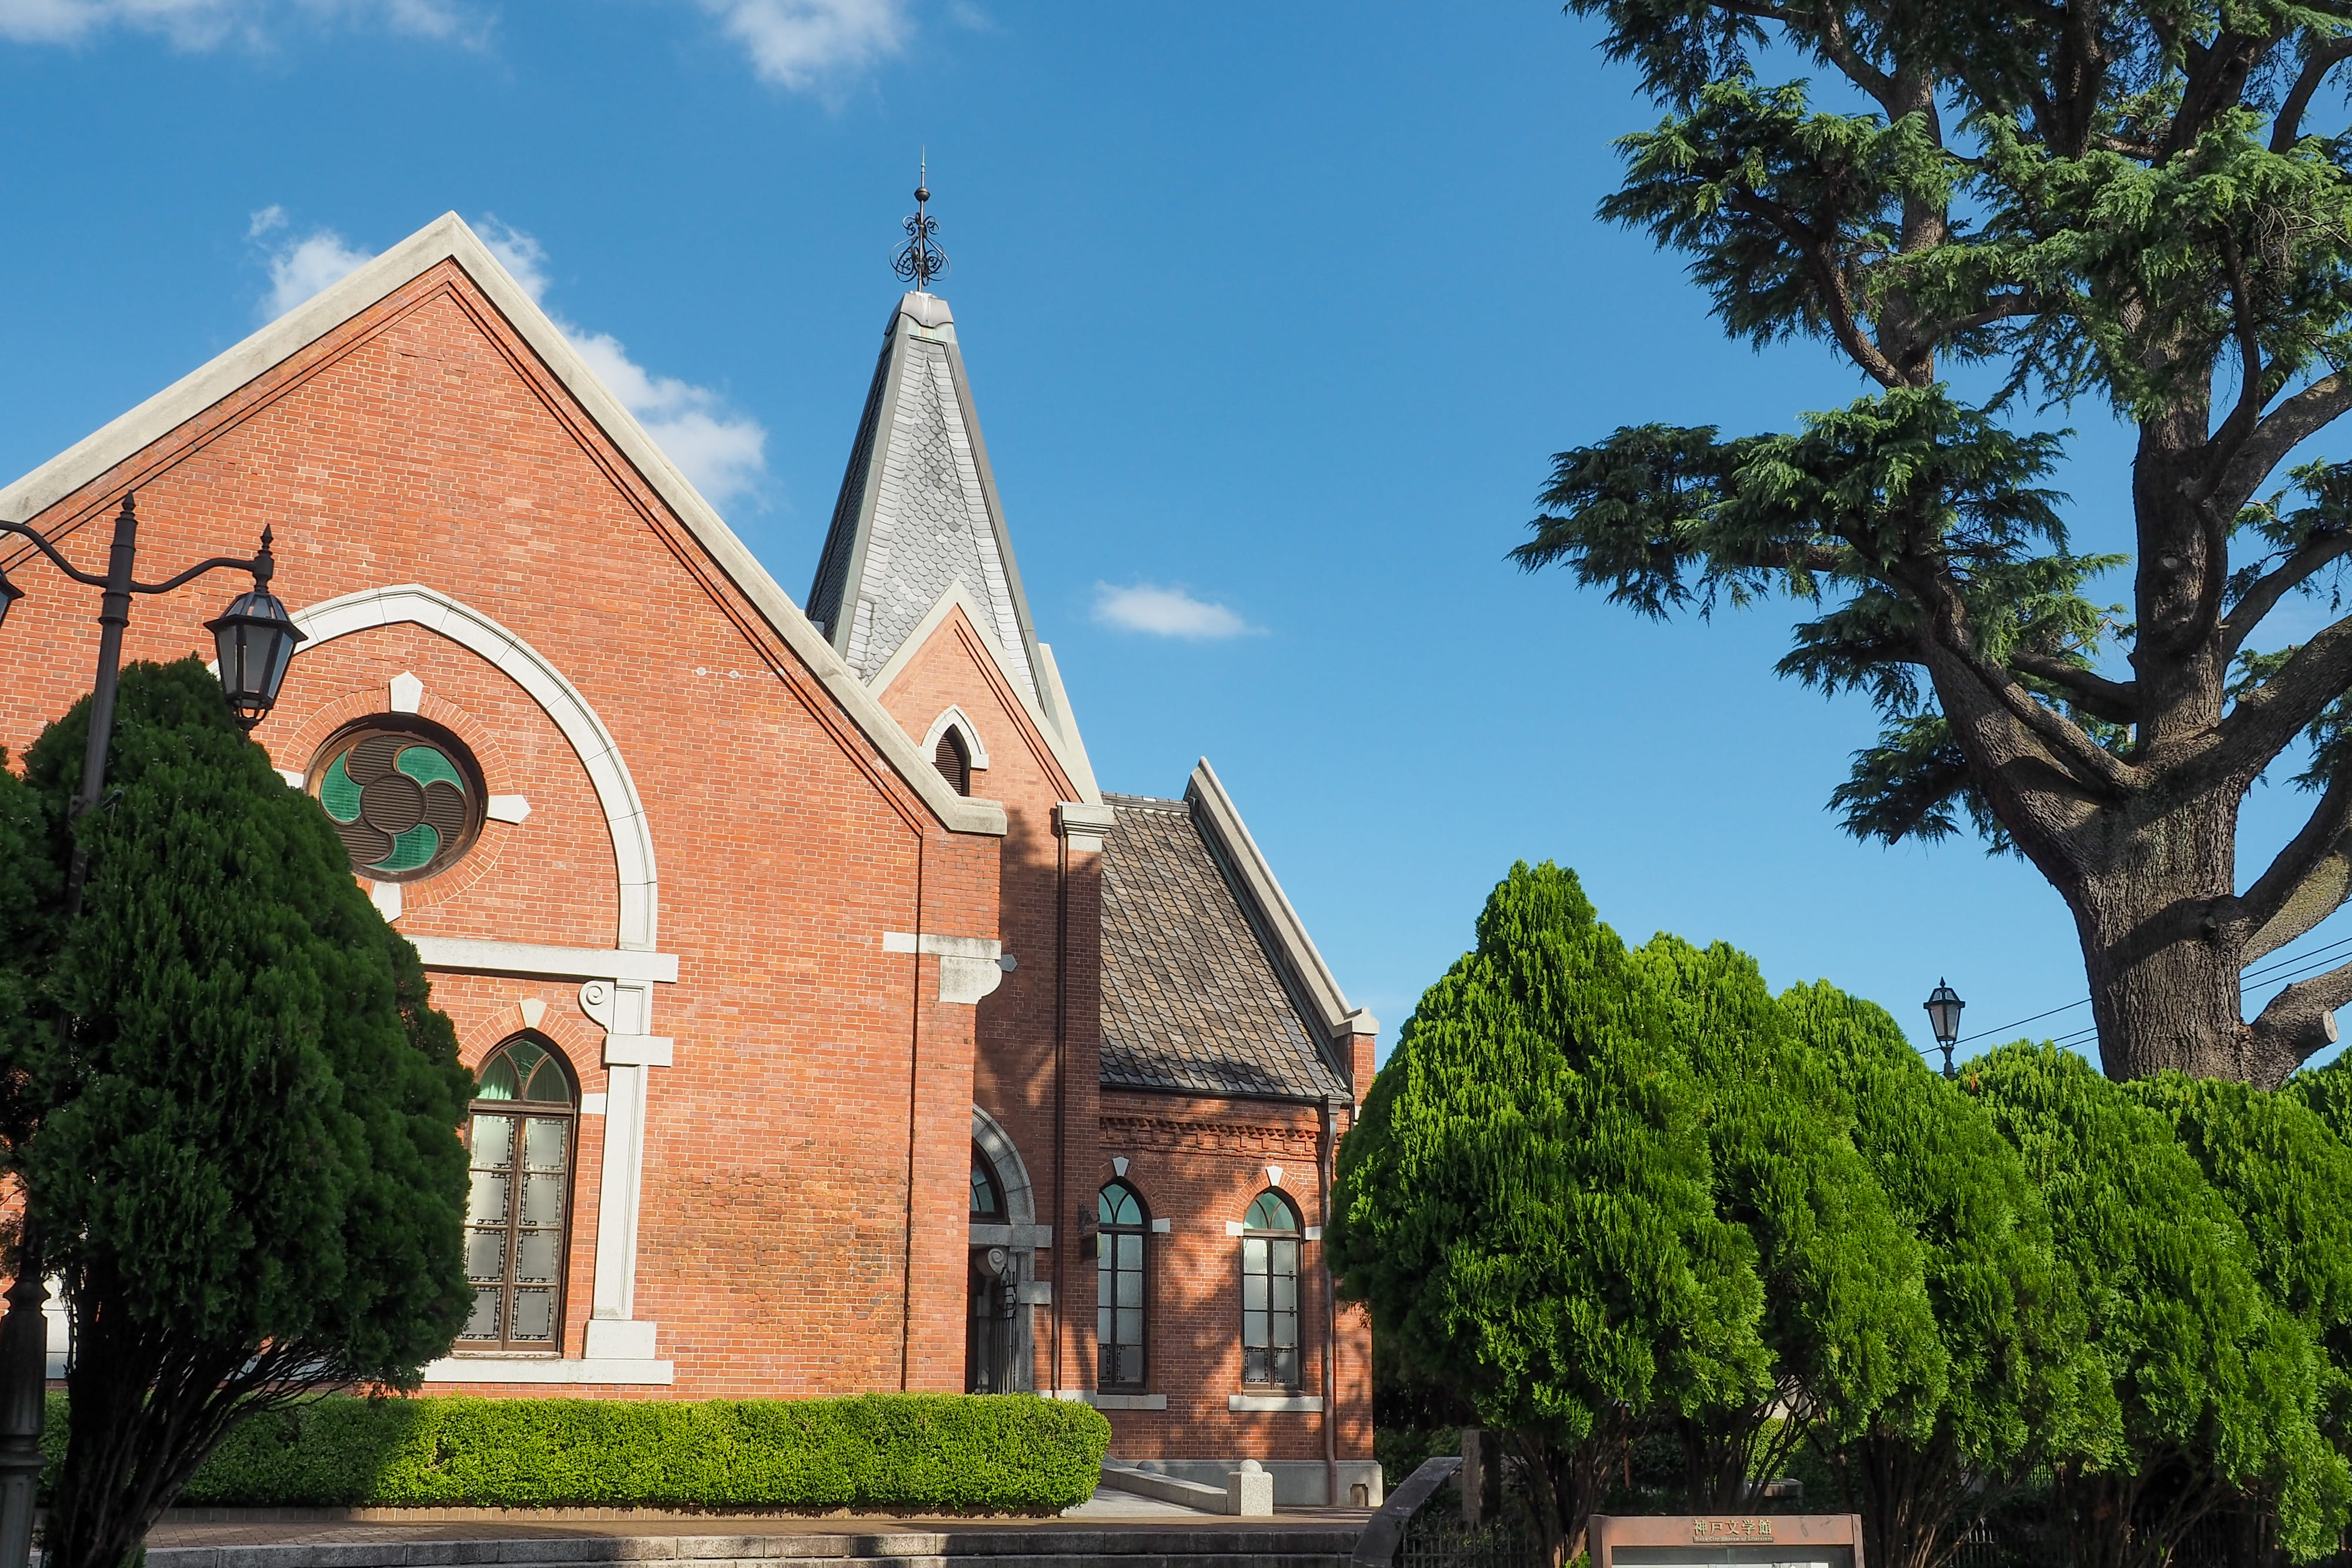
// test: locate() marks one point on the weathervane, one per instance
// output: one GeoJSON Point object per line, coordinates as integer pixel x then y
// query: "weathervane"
{"type": "Point", "coordinates": [919, 260]}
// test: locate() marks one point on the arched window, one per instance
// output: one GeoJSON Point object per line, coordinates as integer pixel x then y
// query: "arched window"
{"type": "Point", "coordinates": [1120, 1287]}
{"type": "Point", "coordinates": [953, 761]}
{"type": "Point", "coordinates": [1270, 1292]}
{"type": "Point", "coordinates": [518, 1217]}
{"type": "Point", "coordinates": [985, 1198]}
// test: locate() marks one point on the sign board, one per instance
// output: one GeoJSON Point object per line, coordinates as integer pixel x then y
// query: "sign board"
{"type": "Point", "coordinates": [1714, 1541]}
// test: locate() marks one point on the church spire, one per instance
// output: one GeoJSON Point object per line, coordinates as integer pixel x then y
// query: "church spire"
{"type": "Point", "coordinates": [919, 511]}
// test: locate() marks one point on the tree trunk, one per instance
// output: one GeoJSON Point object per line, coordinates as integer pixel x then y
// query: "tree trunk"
{"type": "Point", "coordinates": [2162, 962]}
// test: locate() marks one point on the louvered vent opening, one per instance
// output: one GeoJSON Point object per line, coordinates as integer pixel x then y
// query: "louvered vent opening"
{"type": "Point", "coordinates": [953, 762]}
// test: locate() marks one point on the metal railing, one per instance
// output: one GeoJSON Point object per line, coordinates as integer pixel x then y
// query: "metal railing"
{"type": "Point", "coordinates": [1409, 1533]}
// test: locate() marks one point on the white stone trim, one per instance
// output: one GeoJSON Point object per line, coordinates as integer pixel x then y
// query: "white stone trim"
{"type": "Point", "coordinates": [1312, 1233]}
{"type": "Point", "coordinates": [405, 692]}
{"type": "Point", "coordinates": [1116, 1401]}
{"type": "Point", "coordinates": [386, 897]}
{"type": "Point", "coordinates": [525, 1369]}
{"type": "Point", "coordinates": [970, 967]}
{"type": "Point", "coordinates": [1302, 1403]}
{"type": "Point", "coordinates": [1162, 1226]}
{"type": "Point", "coordinates": [506, 808]}
{"type": "Point", "coordinates": [1206, 792]}
{"type": "Point", "coordinates": [543, 960]}
{"type": "Point", "coordinates": [1013, 1176]}
{"type": "Point", "coordinates": [955, 718]}
{"type": "Point", "coordinates": [1086, 826]}
{"type": "Point", "coordinates": [637, 1050]}
{"type": "Point", "coordinates": [616, 792]}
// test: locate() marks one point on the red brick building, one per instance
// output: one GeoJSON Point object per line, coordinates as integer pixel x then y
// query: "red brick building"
{"type": "Point", "coordinates": [835, 1031]}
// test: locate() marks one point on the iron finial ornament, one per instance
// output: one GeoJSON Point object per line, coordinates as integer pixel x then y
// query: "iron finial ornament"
{"type": "Point", "coordinates": [919, 260]}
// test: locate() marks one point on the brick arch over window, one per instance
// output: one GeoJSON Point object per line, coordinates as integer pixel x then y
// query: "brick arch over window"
{"type": "Point", "coordinates": [616, 792]}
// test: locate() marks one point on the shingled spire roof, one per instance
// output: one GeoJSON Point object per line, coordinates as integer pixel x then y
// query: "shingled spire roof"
{"type": "Point", "coordinates": [919, 510]}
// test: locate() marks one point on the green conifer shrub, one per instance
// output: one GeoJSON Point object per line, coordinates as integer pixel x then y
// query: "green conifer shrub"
{"type": "Point", "coordinates": [2287, 1175]}
{"type": "Point", "coordinates": [245, 1156]}
{"type": "Point", "coordinates": [2218, 1387]}
{"type": "Point", "coordinates": [1846, 1316]}
{"type": "Point", "coordinates": [1527, 1202]}
{"type": "Point", "coordinates": [2018, 1390]}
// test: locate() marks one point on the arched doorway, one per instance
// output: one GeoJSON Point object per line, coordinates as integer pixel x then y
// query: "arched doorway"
{"type": "Point", "coordinates": [1001, 1291]}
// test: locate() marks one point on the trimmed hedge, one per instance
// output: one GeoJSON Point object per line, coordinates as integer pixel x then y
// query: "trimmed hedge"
{"type": "Point", "coordinates": [937, 1452]}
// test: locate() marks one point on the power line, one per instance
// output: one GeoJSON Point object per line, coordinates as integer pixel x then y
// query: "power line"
{"type": "Point", "coordinates": [2299, 962]}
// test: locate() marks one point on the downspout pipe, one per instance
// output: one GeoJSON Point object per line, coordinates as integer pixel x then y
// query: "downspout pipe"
{"type": "Point", "coordinates": [1323, 1178]}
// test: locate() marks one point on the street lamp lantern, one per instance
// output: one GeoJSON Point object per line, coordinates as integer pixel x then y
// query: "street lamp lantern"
{"type": "Point", "coordinates": [1944, 1005]}
{"type": "Point", "coordinates": [256, 638]}
{"type": "Point", "coordinates": [9, 594]}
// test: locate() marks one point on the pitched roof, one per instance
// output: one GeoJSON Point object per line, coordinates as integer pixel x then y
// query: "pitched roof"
{"type": "Point", "coordinates": [917, 509]}
{"type": "Point", "coordinates": [448, 239]}
{"type": "Point", "coordinates": [1198, 993]}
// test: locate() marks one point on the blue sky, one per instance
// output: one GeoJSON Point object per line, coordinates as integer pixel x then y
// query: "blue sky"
{"type": "Point", "coordinates": [1273, 314]}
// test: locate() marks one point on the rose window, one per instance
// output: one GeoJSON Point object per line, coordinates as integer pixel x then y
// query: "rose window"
{"type": "Point", "coordinates": [406, 801]}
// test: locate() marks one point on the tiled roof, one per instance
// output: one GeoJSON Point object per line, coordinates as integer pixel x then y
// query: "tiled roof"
{"type": "Point", "coordinates": [917, 511]}
{"type": "Point", "coordinates": [1191, 998]}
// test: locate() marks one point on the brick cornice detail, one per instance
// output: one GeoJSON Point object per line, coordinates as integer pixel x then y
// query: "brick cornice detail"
{"type": "Point", "coordinates": [1202, 1136]}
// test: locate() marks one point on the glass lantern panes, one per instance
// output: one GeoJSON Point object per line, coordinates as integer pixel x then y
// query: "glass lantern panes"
{"type": "Point", "coordinates": [519, 1144]}
{"type": "Point", "coordinates": [1119, 1288]}
{"type": "Point", "coordinates": [1270, 1294]}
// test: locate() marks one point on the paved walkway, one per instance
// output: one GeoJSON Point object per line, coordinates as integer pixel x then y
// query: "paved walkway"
{"type": "Point", "coordinates": [287, 1527]}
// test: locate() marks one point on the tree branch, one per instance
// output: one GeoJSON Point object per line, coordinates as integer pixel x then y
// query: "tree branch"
{"type": "Point", "coordinates": [2310, 558]}
{"type": "Point", "coordinates": [2267, 720]}
{"type": "Point", "coordinates": [2226, 441]}
{"type": "Point", "coordinates": [2299, 1023]}
{"type": "Point", "coordinates": [1837, 302]}
{"type": "Point", "coordinates": [2287, 129]}
{"type": "Point", "coordinates": [2306, 882]}
{"type": "Point", "coordinates": [2117, 702]}
{"type": "Point", "coordinates": [2002, 307]}
{"type": "Point", "coordinates": [2279, 432]}
{"type": "Point", "coordinates": [2091, 765]}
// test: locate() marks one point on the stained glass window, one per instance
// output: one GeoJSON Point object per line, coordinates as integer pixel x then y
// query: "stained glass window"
{"type": "Point", "coordinates": [1270, 1292]}
{"type": "Point", "coordinates": [405, 796]}
{"type": "Point", "coordinates": [519, 1145]}
{"type": "Point", "coordinates": [1119, 1288]}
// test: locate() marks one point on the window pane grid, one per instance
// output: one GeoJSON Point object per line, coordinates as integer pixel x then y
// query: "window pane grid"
{"type": "Point", "coordinates": [520, 1150]}
{"type": "Point", "coordinates": [1270, 1296]}
{"type": "Point", "coordinates": [1119, 1289]}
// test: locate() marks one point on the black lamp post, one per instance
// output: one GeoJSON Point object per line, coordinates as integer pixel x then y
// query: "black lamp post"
{"type": "Point", "coordinates": [256, 640]}
{"type": "Point", "coordinates": [1944, 1005]}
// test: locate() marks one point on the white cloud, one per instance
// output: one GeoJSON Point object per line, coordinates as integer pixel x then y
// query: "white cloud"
{"type": "Point", "coordinates": [1165, 612]}
{"type": "Point", "coordinates": [724, 453]}
{"type": "Point", "coordinates": [720, 449]}
{"type": "Point", "coordinates": [523, 258]}
{"type": "Point", "coordinates": [811, 45]}
{"type": "Point", "coordinates": [300, 269]}
{"type": "Point", "coordinates": [205, 24]}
